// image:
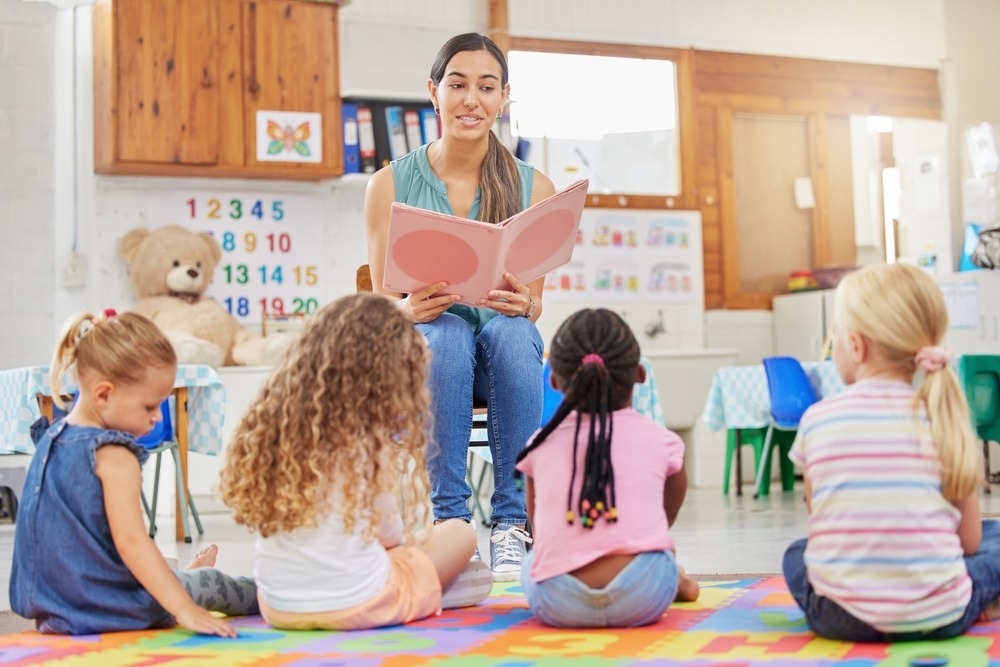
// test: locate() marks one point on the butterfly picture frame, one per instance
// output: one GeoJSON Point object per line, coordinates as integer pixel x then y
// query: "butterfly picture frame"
{"type": "Point", "coordinates": [289, 136]}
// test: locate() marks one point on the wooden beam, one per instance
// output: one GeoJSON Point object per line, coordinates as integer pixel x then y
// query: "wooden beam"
{"type": "Point", "coordinates": [500, 24]}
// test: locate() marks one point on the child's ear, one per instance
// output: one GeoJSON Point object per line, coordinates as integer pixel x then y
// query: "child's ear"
{"type": "Point", "coordinates": [554, 381]}
{"type": "Point", "coordinates": [860, 347]}
{"type": "Point", "coordinates": [101, 392]}
{"type": "Point", "coordinates": [640, 374]}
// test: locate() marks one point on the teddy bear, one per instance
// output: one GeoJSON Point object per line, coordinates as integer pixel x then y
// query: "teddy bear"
{"type": "Point", "coordinates": [170, 269]}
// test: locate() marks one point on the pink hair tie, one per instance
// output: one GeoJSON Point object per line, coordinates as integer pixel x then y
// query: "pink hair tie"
{"type": "Point", "coordinates": [593, 359]}
{"type": "Point", "coordinates": [110, 312]}
{"type": "Point", "coordinates": [933, 358]}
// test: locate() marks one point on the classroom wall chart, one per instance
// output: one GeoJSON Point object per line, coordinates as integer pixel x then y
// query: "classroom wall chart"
{"type": "Point", "coordinates": [271, 247]}
{"type": "Point", "coordinates": [632, 255]}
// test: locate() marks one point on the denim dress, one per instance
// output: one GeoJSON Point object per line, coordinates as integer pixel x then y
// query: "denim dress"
{"type": "Point", "coordinates": [67, 574]}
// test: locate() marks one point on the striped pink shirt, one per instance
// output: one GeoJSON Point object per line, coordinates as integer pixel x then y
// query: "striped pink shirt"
{"type": "Point", "coordinates": [883, 541]}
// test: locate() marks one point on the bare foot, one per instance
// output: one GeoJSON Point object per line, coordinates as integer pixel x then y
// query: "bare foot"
{"type": "Point", "coordinates": [687, 588]}
{"type": "Point", "coordinates": [204, 558]}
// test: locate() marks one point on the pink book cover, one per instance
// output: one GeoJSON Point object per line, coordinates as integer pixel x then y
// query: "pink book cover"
{"type": "Point", "coordinates": [426, 247]}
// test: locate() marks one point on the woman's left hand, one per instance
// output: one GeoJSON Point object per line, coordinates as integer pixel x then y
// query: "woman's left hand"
{"type": "Point", "coordinates": [516, 303]}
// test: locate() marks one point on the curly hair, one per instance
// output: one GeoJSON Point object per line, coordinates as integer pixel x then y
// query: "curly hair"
{"type": "Point", "coordinates": [344, 414]}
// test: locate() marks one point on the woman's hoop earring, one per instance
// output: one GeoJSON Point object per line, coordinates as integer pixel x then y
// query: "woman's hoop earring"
{"type": "Point", "coordinates": [437, 111]}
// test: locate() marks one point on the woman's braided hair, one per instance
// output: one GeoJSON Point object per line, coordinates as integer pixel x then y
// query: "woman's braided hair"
{"type": "Point", "coordinates": [594, 356]}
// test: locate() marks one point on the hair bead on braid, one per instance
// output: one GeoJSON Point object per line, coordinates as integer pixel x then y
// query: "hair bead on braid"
{"type": "Point", "coordinates": [594, 356]}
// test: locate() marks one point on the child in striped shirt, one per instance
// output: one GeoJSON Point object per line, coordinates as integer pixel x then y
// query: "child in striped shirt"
{"type": "Point", "coordinates": [896, 549]}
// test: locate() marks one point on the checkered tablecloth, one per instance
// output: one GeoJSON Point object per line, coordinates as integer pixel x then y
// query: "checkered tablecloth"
{"type": "Point", "coordinates": [19, 388]}
{"type": "Point", "coordinates": [738, 397]}
{"type": "Point", "coordinates": [645, 398]}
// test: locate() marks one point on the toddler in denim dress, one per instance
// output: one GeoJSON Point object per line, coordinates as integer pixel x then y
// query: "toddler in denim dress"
{"type": "Point", "coordinates": [83, 562]}
{"type": "Point", "coordinates": [603, 490]}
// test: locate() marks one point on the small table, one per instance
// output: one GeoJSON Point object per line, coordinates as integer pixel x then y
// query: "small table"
{"type": "Point", "coordinates": [738, 399]}
{"type": "Point", "coordinates": [200, 400]}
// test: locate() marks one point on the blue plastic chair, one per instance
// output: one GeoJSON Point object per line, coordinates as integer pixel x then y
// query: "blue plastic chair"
{"type": "Point", "coordinates": [791, 394]}
{"type": "Point", "coordinates": [161, 439]}
{"type": "Point", "coordinates": [551, 398]}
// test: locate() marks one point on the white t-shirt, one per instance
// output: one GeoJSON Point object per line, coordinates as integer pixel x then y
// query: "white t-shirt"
{"type": "Point", "coordinates": [325, 569]}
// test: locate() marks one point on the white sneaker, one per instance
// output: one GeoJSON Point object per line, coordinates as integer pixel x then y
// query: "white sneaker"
{"type": "Point", "coordinates": [472, 585]}
{"type": "Point", "coordinates": [507, 547]}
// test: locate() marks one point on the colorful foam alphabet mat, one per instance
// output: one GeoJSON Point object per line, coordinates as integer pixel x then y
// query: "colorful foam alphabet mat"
{"type": "Point", "coordinates": [735, 623]}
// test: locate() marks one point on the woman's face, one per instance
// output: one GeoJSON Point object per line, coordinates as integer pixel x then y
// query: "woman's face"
{"type": "Point", "coordinates": [470, 95]}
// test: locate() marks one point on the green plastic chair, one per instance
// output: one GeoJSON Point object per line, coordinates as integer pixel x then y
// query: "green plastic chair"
{"type": "Point", "coordinates": [980, 375]}
{"type": "Point", "coordinates": [755, 437]}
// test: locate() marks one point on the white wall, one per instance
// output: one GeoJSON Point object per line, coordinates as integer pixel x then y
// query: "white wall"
{"type": "Point", "coordinates": [888, 32]}
{"type": "Point", "coordinates": [27, 159]}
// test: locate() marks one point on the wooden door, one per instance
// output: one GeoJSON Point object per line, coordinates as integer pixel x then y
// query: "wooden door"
{"type": "Point", "coordinates": [290, 64]}
{"type": "Point", "coordinates": [773, 236]}
{"type": "Point", "coordinates": [167, 95]}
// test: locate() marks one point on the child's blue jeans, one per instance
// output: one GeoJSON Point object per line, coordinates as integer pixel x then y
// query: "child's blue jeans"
{"type": "Point", "coordinates": [830, 620]}
{"type": "Point", "coordinates": [638, 595]}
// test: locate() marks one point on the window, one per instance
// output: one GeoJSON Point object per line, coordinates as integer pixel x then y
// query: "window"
{"type": "Point", "coordinates": [614, 120]}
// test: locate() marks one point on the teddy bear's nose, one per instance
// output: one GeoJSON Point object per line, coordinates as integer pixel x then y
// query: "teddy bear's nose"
{"type": "Point", "coordinates": [192, 273]}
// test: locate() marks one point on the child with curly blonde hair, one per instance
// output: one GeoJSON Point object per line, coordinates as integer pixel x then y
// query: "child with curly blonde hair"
{"type": "Point", "coordinates": [83, 562]}
{"type": "Point", "coordinates": [328, 466]}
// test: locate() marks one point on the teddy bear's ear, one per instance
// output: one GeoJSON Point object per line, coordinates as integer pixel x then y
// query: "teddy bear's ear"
{"type": "Point", "coordinates": [130, 243]}
{"type": "Point", "coordinates": [213, 246]}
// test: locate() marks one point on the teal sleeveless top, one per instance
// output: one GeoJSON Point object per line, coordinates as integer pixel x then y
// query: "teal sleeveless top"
{"type": "Point", "coordinates": [418, 185]}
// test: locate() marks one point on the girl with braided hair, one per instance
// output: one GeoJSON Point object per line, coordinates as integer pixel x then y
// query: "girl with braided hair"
{"type": "Point", "coordinates": [608, 483]}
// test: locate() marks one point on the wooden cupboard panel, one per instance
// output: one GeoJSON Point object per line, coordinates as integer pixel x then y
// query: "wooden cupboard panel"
{"type": "Point", "coordinates": [842, 250]}
{"type": "Point", "coordinates": [290, 64]}
{"type": "Point", "coordinates": [172, 87]}
{"type": "Point", "coordinates": [167, 81]}
{"type": "Point", "coordinates": [775, 237]}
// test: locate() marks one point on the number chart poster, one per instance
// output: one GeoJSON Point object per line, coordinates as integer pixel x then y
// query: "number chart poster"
{"type": "Point", "coordinates": [271, 247]}
{"type": "Point", "coordinates": [632, 255]}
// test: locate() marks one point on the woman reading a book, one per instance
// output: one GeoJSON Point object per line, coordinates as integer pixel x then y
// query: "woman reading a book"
{"type": "Point", "coordinates": [492, 353]}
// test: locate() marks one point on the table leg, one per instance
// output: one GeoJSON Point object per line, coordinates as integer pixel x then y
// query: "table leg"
{"type": "Point", "coordinates": [180, 398]}
{"type": "Point", "coordinates": [739, 463]}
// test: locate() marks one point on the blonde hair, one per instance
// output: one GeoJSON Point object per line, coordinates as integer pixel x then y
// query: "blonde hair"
{"type": "Point", "coordinates": [346, 409]}
{"type": "Point", "coordinates": [901, 308]}
{"type": "Point", "coordinates": [118, 347]}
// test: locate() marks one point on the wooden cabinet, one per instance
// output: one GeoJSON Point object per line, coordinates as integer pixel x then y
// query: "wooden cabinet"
{"type": "Point", "coordinates": [178, 84]}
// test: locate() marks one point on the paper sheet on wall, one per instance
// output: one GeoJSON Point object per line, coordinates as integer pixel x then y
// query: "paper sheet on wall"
{"type": "Point", "coordinates": [962, 302]}
{"type": "Point", "coordinates": [632, 255]}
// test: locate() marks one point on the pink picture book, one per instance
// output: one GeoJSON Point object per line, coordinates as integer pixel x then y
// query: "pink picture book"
{"type": "Point", "coordinates": [426, 247]}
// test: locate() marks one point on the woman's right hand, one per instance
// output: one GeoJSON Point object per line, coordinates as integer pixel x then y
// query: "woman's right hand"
{"type": "Point", "coordinates": [423, 306]}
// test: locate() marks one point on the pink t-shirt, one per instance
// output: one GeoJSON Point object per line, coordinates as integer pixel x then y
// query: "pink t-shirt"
{"type": "Point", "coordinates": [643, 454]}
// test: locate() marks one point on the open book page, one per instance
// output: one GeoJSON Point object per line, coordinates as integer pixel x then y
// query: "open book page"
{"type": "Point", "coordinates": [426, 247]}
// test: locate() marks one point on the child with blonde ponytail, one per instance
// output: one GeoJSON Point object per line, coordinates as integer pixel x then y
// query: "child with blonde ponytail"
{"type": "Point", "coordinates": [896, 549]}
{"type": "Point", "coordinates": [83, 562]}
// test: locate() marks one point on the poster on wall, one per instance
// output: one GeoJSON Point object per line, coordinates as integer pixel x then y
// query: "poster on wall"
{"type": "Point", "coordinates": [271, 247]}
{"type": "Point", "coordinates": [632, 255]}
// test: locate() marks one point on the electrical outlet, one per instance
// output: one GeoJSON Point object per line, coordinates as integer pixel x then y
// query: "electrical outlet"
{"type": "Point", "coordinates": [73, 270]}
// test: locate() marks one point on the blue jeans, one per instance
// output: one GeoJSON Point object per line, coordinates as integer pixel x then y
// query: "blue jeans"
{"type": "Point", "coordinates": [638, 595]}
{"type": "Point", "coordinates": [501, 367]}
{"type": "Point", "coordinates": [830, 620]}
